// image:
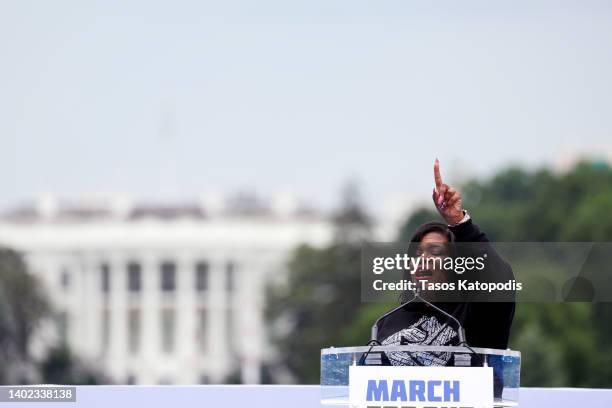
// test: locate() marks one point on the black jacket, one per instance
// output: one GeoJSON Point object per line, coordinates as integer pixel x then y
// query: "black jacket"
{"type": "Point", "coordinates": [486, 324]}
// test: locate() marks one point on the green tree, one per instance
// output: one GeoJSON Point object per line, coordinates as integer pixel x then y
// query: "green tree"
{"type": "Point", "coordinates": [60, 366]}
{"type": "Point", "coordinates": [23, 305]}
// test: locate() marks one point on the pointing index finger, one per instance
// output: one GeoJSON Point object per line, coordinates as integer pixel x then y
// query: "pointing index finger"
{"type": "Point", "coordinates": [437, 177]}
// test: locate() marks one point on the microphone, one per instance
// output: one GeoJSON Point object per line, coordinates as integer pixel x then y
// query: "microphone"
{"type": "Point", "coordinates": [374, 330]}
{"type": "Point", "coordinates": [460, 329]}
{"type": "Point", "coordinates": [417, 296]}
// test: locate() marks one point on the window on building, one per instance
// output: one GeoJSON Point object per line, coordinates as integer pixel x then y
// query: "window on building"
{"type": "Point", "coordinates": [168, 323]}
{"type": "Point", "coordinates": [134, 330]}
{"type": "Point", "coordinates": [105, 277]}
{"type": "Point", "coordinates": [134, 276]}
{"type": "Point", "coordinates": [229, 330]}
{"type": "Point", "coordinates": [168, 276]}
{"type": "Point", "coordinates": [202, 329]}
{"type": "Point", "coordinates": [65, 279]}
{"type": "Point", "coordinates": [201, 276]}
{"type": "Point", "coordinates": [230, 272]}
{"type": "Point", "coordinates": [105, 337]}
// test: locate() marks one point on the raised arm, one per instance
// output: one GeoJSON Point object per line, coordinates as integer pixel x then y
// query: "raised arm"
{"type": "Point", "coordinates": [449, 204]}
{"type": "Point", "coordinates": [488, 323]}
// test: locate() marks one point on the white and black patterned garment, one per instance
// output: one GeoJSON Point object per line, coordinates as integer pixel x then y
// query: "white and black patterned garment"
{"type": "Point", "coordinates": [426, 331]}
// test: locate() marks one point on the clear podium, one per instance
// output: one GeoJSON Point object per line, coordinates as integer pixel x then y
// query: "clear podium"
{"type": "Point", "coordinates": [335, 363]}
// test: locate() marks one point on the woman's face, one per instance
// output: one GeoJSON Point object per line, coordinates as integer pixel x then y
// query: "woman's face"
{"type": "Point", "coordinates": [433, 246]}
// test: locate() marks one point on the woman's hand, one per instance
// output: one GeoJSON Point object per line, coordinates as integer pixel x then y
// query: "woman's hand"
{"type": "Point", "coordinates": [446, 199]}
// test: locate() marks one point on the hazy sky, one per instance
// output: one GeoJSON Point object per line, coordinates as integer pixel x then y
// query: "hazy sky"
{"type": "Point", "coordinates": [180, 98]}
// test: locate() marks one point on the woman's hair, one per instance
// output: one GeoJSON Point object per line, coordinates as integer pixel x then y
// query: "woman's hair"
{"type": "Point", "coordinates": [417, 237]}
{"type": "Point", "coordinates": [432, 226]}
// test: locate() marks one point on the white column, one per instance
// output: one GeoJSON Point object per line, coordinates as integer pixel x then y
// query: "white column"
{"type": "Point", "coordinates": [151, 342]}
{"type": "Point", "coordinates": [249, 287]}
{"type": "Point", "coordinates": [90, 305]}
{"type": "Point", "coordinates": [187, 353]}
{"type": "Point", "coordinates": [218, 345]}
{"type": "Point", "coordinates": [71, 264]}
{"type": "Point", "coordinates": [118, 322]}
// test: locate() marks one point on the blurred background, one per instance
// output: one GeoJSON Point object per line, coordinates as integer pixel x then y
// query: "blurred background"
{"type": "Point", "coordinates": [185, 185]}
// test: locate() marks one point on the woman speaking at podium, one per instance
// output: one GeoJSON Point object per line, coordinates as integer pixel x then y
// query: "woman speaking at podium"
{"type": "Point", "coordinates": [429, 322]}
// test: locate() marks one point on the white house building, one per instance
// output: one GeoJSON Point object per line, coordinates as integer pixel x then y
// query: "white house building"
{"type": "Point", "coordinates": [161, 294]}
